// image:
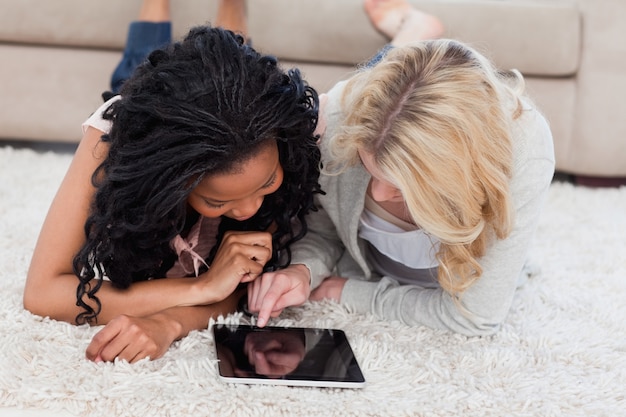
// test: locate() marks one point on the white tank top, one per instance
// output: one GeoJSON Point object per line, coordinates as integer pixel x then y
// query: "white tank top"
{"type": "Point", "coordinates": [406, 255]}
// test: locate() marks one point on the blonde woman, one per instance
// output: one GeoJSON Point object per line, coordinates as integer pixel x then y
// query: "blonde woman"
{"type": "Point", "coordinates": [436, 167]}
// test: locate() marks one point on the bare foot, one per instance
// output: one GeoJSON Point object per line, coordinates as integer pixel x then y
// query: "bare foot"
{"type": "Point", "coordinates": [154, 11]}
{"type": "Point", "coordinates": [401, 22]}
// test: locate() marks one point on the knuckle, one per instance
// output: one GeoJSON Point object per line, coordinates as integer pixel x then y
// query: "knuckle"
{"type": "Point", "coordinates": [136, 331]}
{"type": "Point", "coordinates": [151, 347]}
{"type": "Point", "coordinates": [96, 340]}
{"type": "Point", "coordinates": [107, 356]}
{"type": "Point", "coordinates": [147, 344]}
{"type": "Point", "coordinates": [141, 338]}
{"type": "Point", "coordinates": [228, 238]}
{"type": "Point", "coordinates": [122, 320]}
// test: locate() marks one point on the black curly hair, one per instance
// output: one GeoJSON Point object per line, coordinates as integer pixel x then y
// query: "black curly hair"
{"type": "Point", "coordinates": [195, 108]}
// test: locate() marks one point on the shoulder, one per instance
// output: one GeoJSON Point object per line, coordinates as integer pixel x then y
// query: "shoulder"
{"type": "Point", "coordinates": [533, 162]}
{"type": "Point", "coordinates": [531, 135]}
{"type": "Point", "coordinates": [96, 120]}
{"type": "Point", "coordinates": [334, 108]}
{"type": "Point", "coordinates": [533, 148]}
{"type": "Point", "coordinates": [333, 114]}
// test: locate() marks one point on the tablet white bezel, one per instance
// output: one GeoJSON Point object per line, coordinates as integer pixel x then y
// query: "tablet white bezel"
{"type": "Point", "coordinates": [290, 382]}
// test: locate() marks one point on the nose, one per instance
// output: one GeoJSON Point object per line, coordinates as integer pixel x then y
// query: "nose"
{"type": "Point", "coordinates": [247, 208]}
{"type": "Point", "coordinates": [383, 191]}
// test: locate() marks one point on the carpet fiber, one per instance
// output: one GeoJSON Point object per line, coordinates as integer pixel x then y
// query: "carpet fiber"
{"type": "Point", "coordinates": [561, 351]}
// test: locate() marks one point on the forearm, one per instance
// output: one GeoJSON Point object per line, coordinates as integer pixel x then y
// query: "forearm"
{"type": "Point", "coordinates": [148, 297]}
{"type": "Point", "coordinates": [414, 305]}
{"type": "Point", "coordinates": [56, 297]}
{"type": "Point", "coordinates": [319, 249]}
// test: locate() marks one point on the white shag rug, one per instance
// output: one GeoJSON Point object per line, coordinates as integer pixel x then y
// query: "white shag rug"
{"type": "Point", "coordinates": [561, 351]}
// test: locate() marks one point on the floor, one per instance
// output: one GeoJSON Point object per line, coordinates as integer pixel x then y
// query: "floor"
{"type": "Point", "coordinates": [39, 146]}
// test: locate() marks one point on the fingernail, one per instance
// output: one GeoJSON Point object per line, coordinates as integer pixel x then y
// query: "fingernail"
{"type": "Point", "coordinates": [260, 322]}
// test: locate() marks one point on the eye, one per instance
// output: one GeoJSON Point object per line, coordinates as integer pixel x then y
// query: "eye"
{"type": "Point", "coordinates": [214, 206]}
{"type": "Point", "coordinates": [271, 182]}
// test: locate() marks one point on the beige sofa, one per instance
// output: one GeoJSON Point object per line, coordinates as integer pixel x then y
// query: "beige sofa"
{"type": "Point", "coordinates": [57, 57]}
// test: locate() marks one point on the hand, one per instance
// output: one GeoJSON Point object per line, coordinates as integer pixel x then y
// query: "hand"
{"type": "Point", "coordinates": [132, 339]}
{"type": "Point", "coordinates": [273, 291]}
{"type": "Point", "coordinates": [330, 289]}
{"type": "Point", "coordinates": [274, 354]}
{"type": "Point", "coordinates": [240, 258]}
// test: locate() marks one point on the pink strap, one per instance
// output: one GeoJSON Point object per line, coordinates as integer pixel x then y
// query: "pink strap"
{"type": "Point", "coordinates": [188, 258]}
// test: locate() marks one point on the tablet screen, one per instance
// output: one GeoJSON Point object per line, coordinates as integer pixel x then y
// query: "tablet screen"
{"type": "Point", "coordinates": [286, 356]}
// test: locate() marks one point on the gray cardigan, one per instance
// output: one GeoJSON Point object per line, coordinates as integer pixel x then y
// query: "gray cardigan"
{"type": "Point", "coordinates": [332, 246]}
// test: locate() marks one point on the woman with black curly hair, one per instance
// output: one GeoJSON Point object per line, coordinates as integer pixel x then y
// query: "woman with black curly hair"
{"type": "Point", "coordinates": [201, 171]}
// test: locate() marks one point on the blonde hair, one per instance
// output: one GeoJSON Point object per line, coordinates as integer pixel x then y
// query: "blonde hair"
{"type": "Point", "coordinates": [434, 116]}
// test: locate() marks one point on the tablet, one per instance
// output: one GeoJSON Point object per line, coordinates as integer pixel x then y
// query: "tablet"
{"type": "Point", "coordinates": [293, 356]}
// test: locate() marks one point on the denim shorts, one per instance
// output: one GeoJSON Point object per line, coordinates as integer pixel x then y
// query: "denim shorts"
{"type": "Point", "coordinates": [143, 38]}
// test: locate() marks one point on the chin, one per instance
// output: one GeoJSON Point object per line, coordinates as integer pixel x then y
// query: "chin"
{"type": "Point", "coordinates": [241, 219]}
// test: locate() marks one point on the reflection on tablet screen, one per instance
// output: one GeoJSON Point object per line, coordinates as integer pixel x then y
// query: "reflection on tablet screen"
{"type": "Point", "coordinates": [286, 356]}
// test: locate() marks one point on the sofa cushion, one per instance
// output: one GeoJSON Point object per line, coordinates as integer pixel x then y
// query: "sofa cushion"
{"type": "Point", "coordinates": [542, 38]}
{"type": "Point", "coordinates": [536, 37]}
{"type": "Point", "coordinates": [89, 24]}
{"type": "Point", "coordinates": [51, 91]}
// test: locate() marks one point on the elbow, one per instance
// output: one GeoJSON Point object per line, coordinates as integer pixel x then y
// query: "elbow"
{"type": "Point", "coordinates": [480, 326]}
{"type": "Point", "coordinates": [32, 303]}
{"type": "Point", "coordinates": [50, 292]}
{"type": "Point", "coordinates": [30, 299]}
{"type": "Point", "coordinates": [481, 329]}
{"type": "Point", "coordinates": [36, 304]}
{"type": "Point", "coordinates": [477, 321]}
{"type": "Point", "coordinates": [38, 297]}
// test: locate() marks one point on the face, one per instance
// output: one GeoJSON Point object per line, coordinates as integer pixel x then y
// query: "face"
{"type": "Point", "coordinates": [239, 194]}
{"type": "Point", "coordinates": [380, 189]}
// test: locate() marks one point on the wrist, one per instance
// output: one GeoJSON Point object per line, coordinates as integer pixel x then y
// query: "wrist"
{"type": "Point", "coordinates": [169, 325]}
{"type": "Point", "coordinates": [198, 293]}
{"type": "Point", "coordinates": [304, 271]}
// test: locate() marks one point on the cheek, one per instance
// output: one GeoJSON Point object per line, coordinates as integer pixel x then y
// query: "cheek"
{"type": "Point", "coordinates": [260, 197]}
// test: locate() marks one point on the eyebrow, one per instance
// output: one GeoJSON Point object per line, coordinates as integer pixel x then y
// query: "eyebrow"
{"type": "Point", "coordinates": [271, 179]}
